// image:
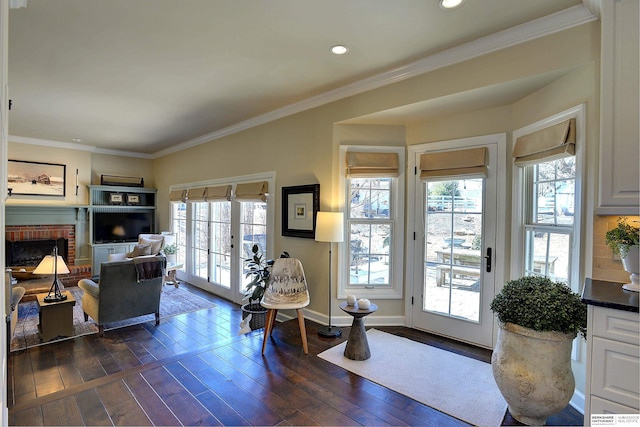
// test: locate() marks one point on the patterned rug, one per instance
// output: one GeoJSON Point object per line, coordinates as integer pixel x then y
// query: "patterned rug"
{"type": "Point", "coordinates": [173, 301]}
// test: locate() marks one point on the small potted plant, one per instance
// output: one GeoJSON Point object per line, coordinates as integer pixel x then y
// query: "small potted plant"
{"type": "Point", "coordinates": [538, 321]}
{"type": "Point", "coordinates": [170, 252]}
{"type": "Point", "coordinates": [624, 240]}
{"type": "Point", "coordinates": [259, 270]}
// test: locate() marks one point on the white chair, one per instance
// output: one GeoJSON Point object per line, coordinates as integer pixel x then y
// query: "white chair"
{"type": "Point", "coordinates": [287, 290]}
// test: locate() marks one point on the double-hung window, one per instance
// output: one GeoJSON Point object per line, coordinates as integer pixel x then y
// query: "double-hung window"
{"type": "Point", "coordinates": [373, 186]}
{"type": "Point", "coordinates": [547, 199]}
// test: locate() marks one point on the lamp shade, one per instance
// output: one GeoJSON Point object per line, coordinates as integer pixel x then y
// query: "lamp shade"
{"type": "Point", "coordinates": [48, 266]}
{"type": "Point", "coordinates": [329, 227]}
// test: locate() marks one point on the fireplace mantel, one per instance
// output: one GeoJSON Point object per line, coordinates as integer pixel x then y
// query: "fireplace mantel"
{"type": "Point", "coordinates": [17, 215]}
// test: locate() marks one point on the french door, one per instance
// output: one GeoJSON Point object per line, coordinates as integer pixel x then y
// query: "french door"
{"type": "Point", "coordinates": [214, 238]}
{"type": "Point", "coordinates": [454, 251]}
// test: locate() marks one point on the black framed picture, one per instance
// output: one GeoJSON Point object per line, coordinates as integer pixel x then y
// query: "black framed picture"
{"type": "Point", "coordinates": [299, 207]}
{"type": "Point", "coordinates": [36, 178]}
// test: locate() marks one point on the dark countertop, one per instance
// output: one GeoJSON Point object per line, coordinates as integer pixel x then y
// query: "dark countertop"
{"type": "Point", "coordinates": [610, 295]}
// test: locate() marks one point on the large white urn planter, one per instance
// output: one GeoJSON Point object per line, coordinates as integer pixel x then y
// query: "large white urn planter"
{"type": "Point", "coordinates": [533, 372]}
{"type": "Point", "coordinates": [631, 264]}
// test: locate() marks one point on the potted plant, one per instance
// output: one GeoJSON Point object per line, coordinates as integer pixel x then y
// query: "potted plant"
{"type": "Point", "coordinates": [624, 240]}
{"type": "Point", "coordinates": [538, 321]}
{"type": "Point", "coordinates": [259, 270]}
{"type": "Point", "coordinates": [170, 252]}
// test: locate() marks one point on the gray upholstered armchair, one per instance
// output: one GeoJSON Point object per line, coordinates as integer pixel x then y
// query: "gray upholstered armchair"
{"type": "Point", "coordinates": [126, 289]}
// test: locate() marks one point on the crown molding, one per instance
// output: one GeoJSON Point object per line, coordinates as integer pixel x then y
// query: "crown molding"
{"type": "Point", "coordinates": [73, 146]}
{"type": "Point", "coordinates": [563, 20]}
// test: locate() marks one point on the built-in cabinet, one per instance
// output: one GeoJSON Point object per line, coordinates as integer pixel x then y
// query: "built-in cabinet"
{"type": "Point", "coordinates": [619, 191]}
{"type": "Point", "coordinates": [613, 349]}
{"type": "Point", "coordinates": [119, 203]}
{"type": "Point", "coordinates": [614, 362]}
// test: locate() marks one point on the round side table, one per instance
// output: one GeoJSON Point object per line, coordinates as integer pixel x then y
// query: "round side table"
{"type": "Point", "coordinates": [357, 345]}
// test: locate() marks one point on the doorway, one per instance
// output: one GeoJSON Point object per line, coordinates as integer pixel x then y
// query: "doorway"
{"type": "Point", "coordinates": [456, 191]}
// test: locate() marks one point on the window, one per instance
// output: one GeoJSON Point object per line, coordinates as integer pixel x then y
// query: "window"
{"type": "Point", "coordinates": [371, 255]}
{"type": "Point", "coordinates": [550, 217]}
{"type": "Point", "coordinates": [546, 196]}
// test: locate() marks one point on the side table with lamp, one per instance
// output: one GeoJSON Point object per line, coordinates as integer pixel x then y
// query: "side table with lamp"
{"type": "Point", "coordinates": [56, 307]}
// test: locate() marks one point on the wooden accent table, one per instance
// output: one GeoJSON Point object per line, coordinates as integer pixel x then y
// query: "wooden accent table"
{"type": "Point", "coordinates": [170, 278]}
{"type": "Point", "coordinates": [56, 318]}
{"type": "Point", "coordinates": [357, 347]}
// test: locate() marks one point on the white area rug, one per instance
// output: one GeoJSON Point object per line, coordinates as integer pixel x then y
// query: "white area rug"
{"type": "Point", "coordinates": [173, 301]}
{"type": "Point", "coordinates": [459, 386]}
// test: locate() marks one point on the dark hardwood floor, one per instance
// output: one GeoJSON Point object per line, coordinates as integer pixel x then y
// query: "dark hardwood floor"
{"type": "Point", "coordinates": [194, 369]}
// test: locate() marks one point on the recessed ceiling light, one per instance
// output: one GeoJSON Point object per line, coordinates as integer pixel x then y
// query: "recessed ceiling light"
{"type": "Point", "coordinates": [339, 49]}
{"type": "Point", "coordinates": [450, 4]}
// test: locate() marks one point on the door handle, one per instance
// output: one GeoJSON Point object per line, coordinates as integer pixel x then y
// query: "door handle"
{"type": "Point", "coordinates": [488, 259]}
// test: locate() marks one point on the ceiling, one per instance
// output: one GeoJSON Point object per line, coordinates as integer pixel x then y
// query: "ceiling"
{"type": "Point", "coordinates": [151, 76]}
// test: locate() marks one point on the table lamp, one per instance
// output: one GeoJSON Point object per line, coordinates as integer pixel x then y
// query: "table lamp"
{"type": "Point", "coordinates": [329, 228]}
{"type": "Point", "coordinates": [53, 264]}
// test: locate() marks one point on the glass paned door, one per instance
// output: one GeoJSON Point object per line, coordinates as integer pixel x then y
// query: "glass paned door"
{"type": "Point", "coordinates": [221, 244]}
{"type": "Point", "coordinates": [453, 251]}
{"type": "Point", "coordinates": [454, 258]}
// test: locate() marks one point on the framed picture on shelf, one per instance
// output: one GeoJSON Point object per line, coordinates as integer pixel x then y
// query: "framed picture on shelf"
{"type": "Point", "coordinates": [133, 199]}
{"type": "Point", "coordinates": [116, 198]}
{"type": "Point", "coordinates": [36, 178]}
{"type": "Point", "coordinates": [299, 207]}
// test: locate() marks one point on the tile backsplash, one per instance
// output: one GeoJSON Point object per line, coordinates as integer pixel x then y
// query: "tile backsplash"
{"type": "Point", "coordinates": [605, 267]}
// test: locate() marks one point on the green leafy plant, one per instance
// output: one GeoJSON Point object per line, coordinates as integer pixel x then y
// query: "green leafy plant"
{"type": "Point", "coordinates": [171, 249]}
{"type": "Point", "coordinates": [541, 304]}
{"type": "Point", "coordinates": [623, 237]}
{"type": "Point", "coordinates": [259, 270]}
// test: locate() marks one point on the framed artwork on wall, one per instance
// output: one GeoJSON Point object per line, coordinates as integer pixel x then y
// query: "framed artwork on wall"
{"type": "Point", "coordinates": [36, 178]}
{"type": "Point", "coordinates": [299, 207]}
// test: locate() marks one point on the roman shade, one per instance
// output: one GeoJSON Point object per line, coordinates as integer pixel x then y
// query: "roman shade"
{"type": "Point", "coordinates": [252, 191]}
{"type": "Point", "coordinates": [178, 196]}
{"type": "Point", "coordinates": [210, 194]}
{"type": "Point", "coordinates": [372, 165]}
{"type": "Point", "coordinates": [548, 144]}
{"type": "Point", "coordinates": [470, 162]}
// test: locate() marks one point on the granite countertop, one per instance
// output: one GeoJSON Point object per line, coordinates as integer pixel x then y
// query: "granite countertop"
{"type": "Point", "coordinates": [610, 295]}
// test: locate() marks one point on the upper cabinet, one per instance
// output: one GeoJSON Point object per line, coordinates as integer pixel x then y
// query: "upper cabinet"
{"type": "Point", "coordinates": [619, 192]}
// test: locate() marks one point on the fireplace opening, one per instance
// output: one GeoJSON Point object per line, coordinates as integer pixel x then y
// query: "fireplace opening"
{"type": "Point", "coordinates": [29, 253]}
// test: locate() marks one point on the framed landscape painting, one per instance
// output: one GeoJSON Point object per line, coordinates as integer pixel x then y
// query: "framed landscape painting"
{"type": "Point", "coordinates": [36, 178]}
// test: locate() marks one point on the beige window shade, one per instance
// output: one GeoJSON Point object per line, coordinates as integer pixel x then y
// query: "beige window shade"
{"type": "Point", "coordinates": [372, 165]}
{"type": "Point", "coordinates": [548, 144]}
{"type": "Point", "coordinates": [468, 162]}
{"type": "Point", "coordinates": [178, 196]}
{"type": "Point", "coordinates": [256, 191]}
{"type": "Point", "coordinates": [210, 194]}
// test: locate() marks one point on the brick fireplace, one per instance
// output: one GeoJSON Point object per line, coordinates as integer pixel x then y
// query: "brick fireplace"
{"type": "Point", "coordinates": [21, 233]}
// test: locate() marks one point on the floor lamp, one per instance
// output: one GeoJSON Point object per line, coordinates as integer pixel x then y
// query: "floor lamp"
{"type": "Point", "coordinates": [329, 228]}
{"type": "Point", "coordinates": [53, 264]}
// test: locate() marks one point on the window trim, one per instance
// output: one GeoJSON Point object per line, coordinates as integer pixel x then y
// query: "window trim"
{"type": "Point", "coordinates": [519, 191]}
{"type": "Point", "coordinates": [396, 276]}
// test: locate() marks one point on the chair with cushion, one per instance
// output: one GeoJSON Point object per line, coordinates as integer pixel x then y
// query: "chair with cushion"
{"type": "Point", "coordinates": [17, 292]}
{"type": "Point", "coordinates": [126, 289]}
{"type": "Point", "coordinates": [287, 290]}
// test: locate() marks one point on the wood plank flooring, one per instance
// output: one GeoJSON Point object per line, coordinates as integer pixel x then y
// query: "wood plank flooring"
{"type": "Point", "coordinates": [194, 369]}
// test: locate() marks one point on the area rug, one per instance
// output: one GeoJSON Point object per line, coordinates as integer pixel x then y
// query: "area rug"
{"type": "Point", "coordinates": [173, 301]}
{"type": "Point", "coordinates": [456, 385]}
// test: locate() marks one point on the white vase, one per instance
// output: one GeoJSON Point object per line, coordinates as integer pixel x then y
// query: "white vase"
{"type": "Point", "coordinates": [631, 264]}
{"type": "Point", "coordinates": [533, 372]}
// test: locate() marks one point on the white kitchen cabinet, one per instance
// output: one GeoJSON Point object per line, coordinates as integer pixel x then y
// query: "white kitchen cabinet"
{"type": "Point", "coordinates": [613, 362]}
{"type": "Point", "coordinates": [619, 192]}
